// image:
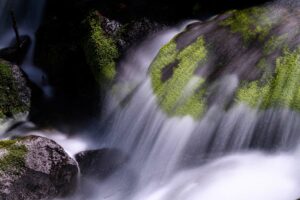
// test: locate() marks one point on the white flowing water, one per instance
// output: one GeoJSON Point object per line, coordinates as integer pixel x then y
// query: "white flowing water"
{"type": "Point", "coordinates": [222, 156]}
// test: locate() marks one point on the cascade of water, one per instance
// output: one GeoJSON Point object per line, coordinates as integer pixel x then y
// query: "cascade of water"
{"type": "Point", "coordinates": [180, 158]}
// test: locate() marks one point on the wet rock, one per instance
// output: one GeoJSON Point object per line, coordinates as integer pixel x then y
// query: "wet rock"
{"type": "Point", "coordinates": [254, 52]}
{"type": "Point", "coordinates": [14, 91]}
{"type": "Point", "coordinates": [135, 31]}
{"type": "Point", "coordinates": [15, 53]}
{"type": "Point", "coordinates": [100, 164]}
{"type": "Point", "coordinates": [33, 168]}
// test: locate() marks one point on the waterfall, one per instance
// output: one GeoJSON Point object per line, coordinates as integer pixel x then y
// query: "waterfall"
{"type": "Point", "coordinates": [28, 16]}
{"type": "Point", "coordinates": [236, 154]}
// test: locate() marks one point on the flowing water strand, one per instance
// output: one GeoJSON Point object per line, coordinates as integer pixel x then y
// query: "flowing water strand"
{"type": "Point", "coordinates": [212, 158]}
{"type": "Point", "coordinates": [28, 16]}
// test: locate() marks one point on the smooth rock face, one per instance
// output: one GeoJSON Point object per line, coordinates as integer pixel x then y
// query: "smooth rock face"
{"type": "Point", "coordinates": [34, 167]}
{"type": "Point", "coordinates": [99, 164]}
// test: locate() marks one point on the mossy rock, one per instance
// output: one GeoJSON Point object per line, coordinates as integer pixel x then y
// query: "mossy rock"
{"type": "Point", "coordinates": [251, 23]}
{"type": "Point", "coordinates": [259, 46]}
{"type": "Point", "coordinates": [35, 162]}
{"type": "Point", "coordinates": [282, 89]}
{"type": "Point", "coordinates": [14, 93]}
{"type": "Point", "coordinates": [12, 157]}
{"type": "Point", "coordinates": [100, 50]}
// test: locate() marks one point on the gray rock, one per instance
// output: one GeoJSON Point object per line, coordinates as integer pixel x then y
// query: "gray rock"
{"type": "Point", "coordinates": [14, 90]}
{"type": "Point", "coordinates": [33, 168]}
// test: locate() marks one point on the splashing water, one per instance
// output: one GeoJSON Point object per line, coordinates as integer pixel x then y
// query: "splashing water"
{"type": "Point", "coordinates": [241, 177]}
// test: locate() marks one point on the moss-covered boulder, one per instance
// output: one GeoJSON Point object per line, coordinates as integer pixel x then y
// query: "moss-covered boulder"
{"type": "Point", "coordinates": [33, 168]}
{"type": "Point", "coordinates": [100, 49]}
{"type": "Point", "coordinates": [246, 56]}
{"type": "Point", "coordinates": [14, 92]}
{"type": "Point", "coordinates": [105, 40]}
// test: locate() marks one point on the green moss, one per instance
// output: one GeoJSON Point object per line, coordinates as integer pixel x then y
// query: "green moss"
{"type": "Point", "coordinates": [193, 104]}
{"type": "Point", "coordinates": [10, 103]}
{"type": "Point", "coordinates": [262, 64]}
{"type": "Point", "coordinates": [252, 23]}
{"type": "Point", "coordinates": [287, 79]}
{"type": "Point", "coordinates": [100, 50]}
{"type": "Point", "coordinates": [2, 115]}
{"type": "Point", "coordinates": [282, 90]}
{"type": "Point", "coordinates": [253, 94]}
{"type": "Point", "coordinates": [14, 159]}
{"type": "Point", "coordinates": [166, 56]}
{"type": "Point", "coordinates": [179, 95]}
{"type": "Point", "coordinates": [274, 43]}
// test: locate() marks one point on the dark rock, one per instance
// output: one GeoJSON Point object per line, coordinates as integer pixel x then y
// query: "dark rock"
{"type": "Point", "coordinates": [72, 65]}
{"type": "Point", "coordinates": [15, 53]}
{"type": "Point", "coordinates": [33, 168]}
{"type": "Point", "coordinates": [100, 164]}
{"type": "Point", "coordinates": [135, 31]}
{"type": "Point", "coordinates": [128, 34]}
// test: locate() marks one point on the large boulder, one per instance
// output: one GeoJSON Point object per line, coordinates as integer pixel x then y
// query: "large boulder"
{"type": "Point", "coordinates": [33, 168]}
{"type": "Point", "coordinates": [249, 56]}
{"type": "Point", "coordinates": [14, 92]}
